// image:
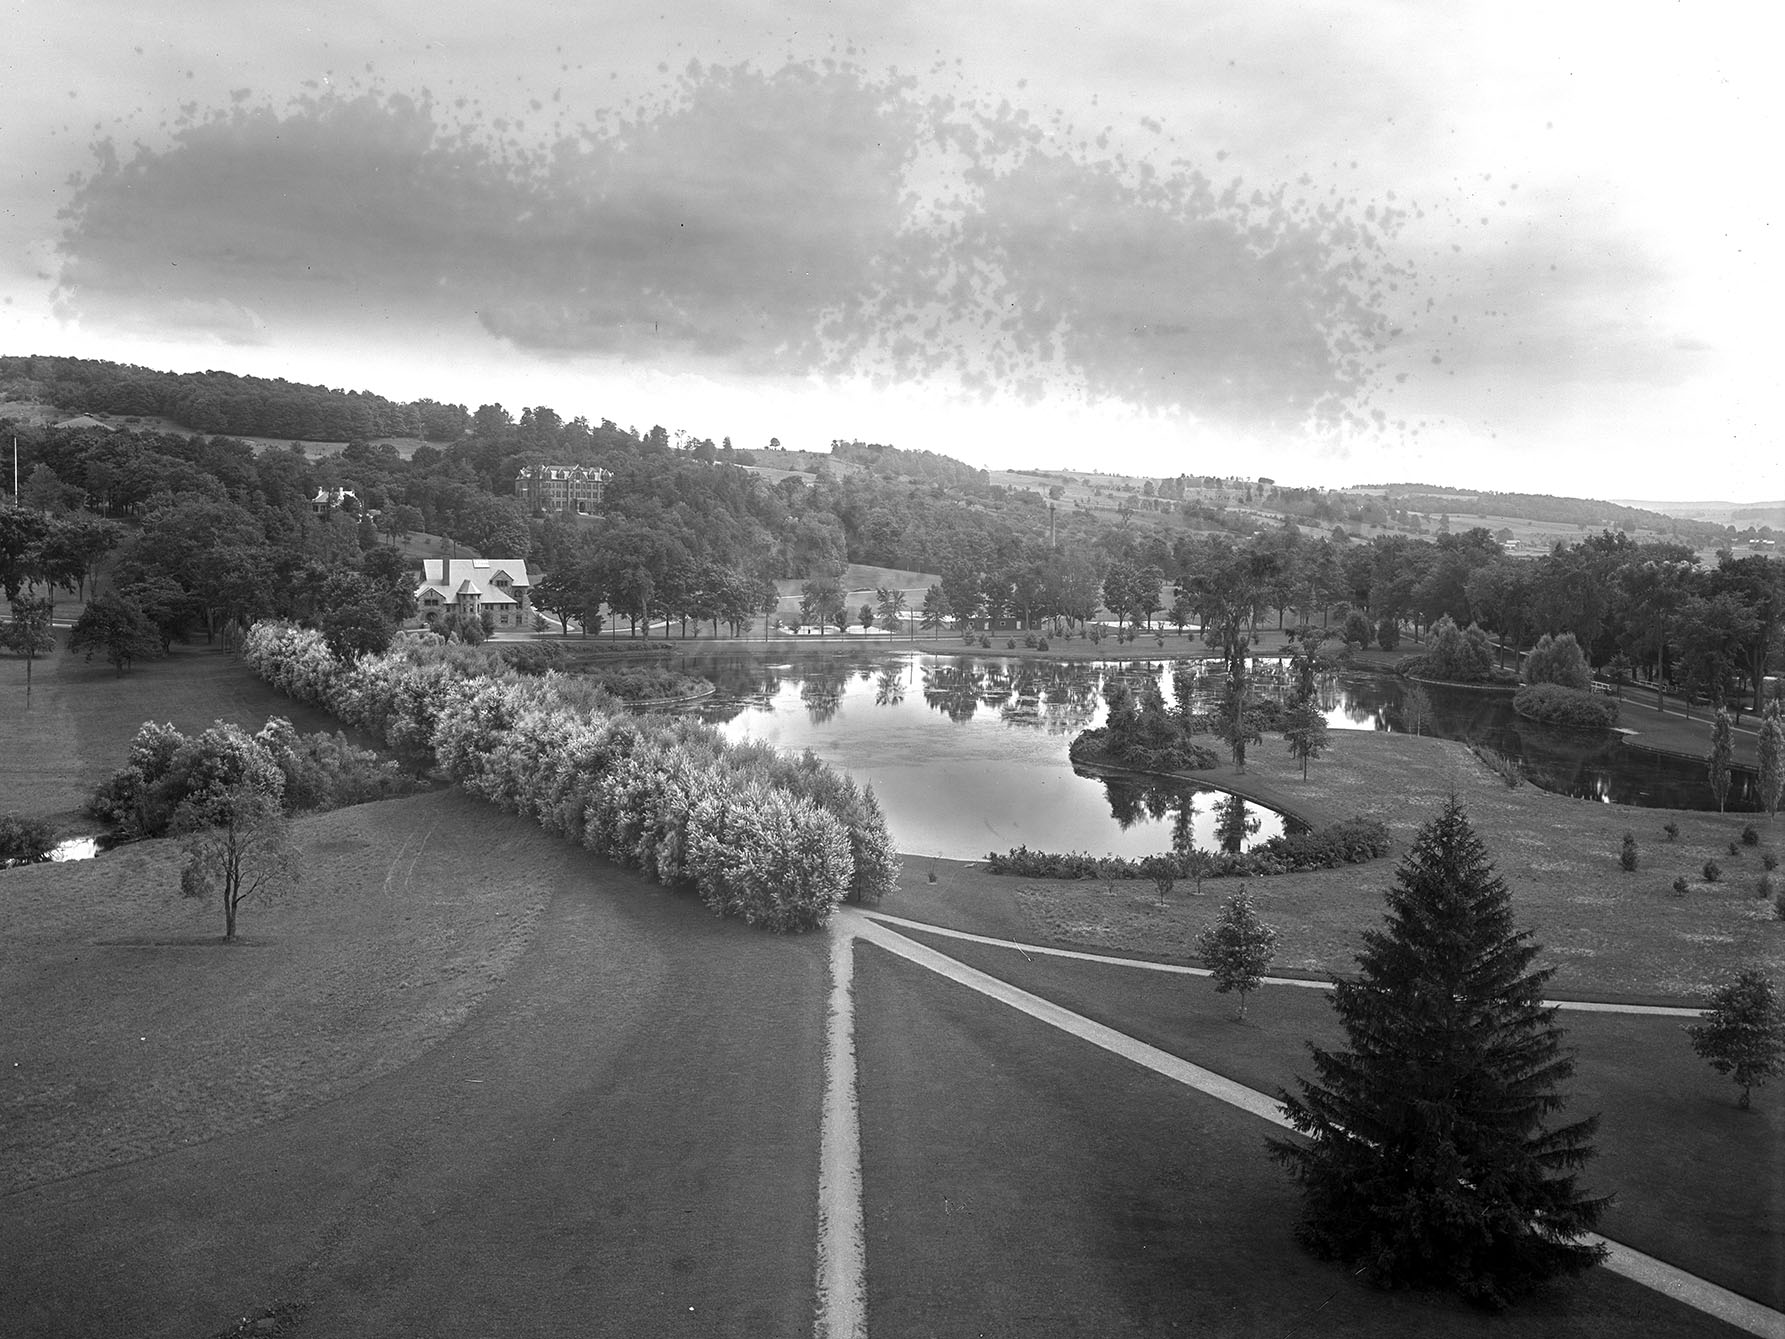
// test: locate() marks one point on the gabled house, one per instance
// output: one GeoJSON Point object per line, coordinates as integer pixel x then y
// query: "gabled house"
{"type": "Point", "coordinates": [472, 585]}
{"type": "Point", "coordinates": [327, 499]}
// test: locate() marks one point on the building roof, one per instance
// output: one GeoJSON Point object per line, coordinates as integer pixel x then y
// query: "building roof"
{"type": "Point", "coordinates": [450, 578]}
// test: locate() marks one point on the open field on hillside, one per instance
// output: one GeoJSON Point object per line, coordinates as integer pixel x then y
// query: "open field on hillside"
{"type": "Point", "coordinates": [146, 1032]}
{"type": "Point", "coordinates": [73, 731]}
{"type": "Point", "coordinates": [1611, 935]}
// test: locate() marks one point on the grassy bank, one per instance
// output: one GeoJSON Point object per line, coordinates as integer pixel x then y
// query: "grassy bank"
{"type": "Point", "coordinates": [1611, 934]}
{"type": "Point", "coordinates": [1672, 1143]}
{"type": "Point", "coordinates": [145, 1032]}
{"type": "Point", "coordinates": [73, 730]}
{"type": "Point", "coordinates": [1024, 1183]}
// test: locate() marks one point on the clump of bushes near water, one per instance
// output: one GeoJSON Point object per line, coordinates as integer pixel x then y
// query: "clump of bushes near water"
{"type": "Point", "coordinates": [1552, 704]}
{"type": "Point", "coordinates": [776, 840]}
{"type": "Point", "coordinates": [1350, 842]}
{"type": "Point", "coordinates": [25, 841]}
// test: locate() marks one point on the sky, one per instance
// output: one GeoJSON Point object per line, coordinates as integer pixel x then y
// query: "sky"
{"type": "Point", "coordinates": [1510, 246]}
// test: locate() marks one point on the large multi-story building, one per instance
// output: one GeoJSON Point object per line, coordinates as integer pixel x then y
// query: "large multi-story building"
{"type": "Point", "coordinates": [472, 585]}
{"type": "Point", "coordinates": [576, 489]}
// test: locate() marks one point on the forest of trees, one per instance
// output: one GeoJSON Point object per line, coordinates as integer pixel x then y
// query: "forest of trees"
{"type": "Point", "coordinates": [205, 532]}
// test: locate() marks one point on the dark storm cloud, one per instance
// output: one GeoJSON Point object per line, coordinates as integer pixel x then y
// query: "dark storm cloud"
{"type": "Point", "coordinates": [815, 218]}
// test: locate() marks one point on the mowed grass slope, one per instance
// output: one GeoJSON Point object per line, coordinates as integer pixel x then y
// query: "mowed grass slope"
{"type": "Point", "coordinates": [1612, 935]}
{"type": "Point", "coordinates": [1022, 1183]}
{"type": "Point", "coordinates": [135, 1030]}
{"type": "Point", "coordinates": [1698, 1182]}
{"type": "Point", "coordinates": [619, 1139]}
{"type": "Point", "coordinates": [73, 730]}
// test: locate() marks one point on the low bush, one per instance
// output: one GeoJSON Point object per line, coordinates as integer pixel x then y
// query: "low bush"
{"type": "Point", "coordinates": [1509, 770]}
{"type": "Point", "coordinates": [1680, 885]}
{"type": "Point", "coordinates": [1735, 848]}
{"type": "Point", "coordinates": [25, 841]}
{"type": "Point", "coordinates": [1767, 887]}
{"type": "Point", "coordinates": [1779, 907]}
{"type": "Point", "coordinates": [1010, 645]}
{"type": "Point", "coordinates": [1351, 842]}
{"type": "Point", "coordinates": [1712, 871]}
{"type": "Point", "coordinates": [1627, 856]}
{"type": "Point", "coordinates": [1552, 704]}
{"type": "Point", "coordinates": [1041, 645]}
{"type": "Point", "coordinates": [644, 683]}
{"type": "Point", "coordinates": [1769, 861]}
{"type": "Point", "coordinates": [164, 769]}
{"type": "Point", "coordinates": [1750, 836]}
{"type": "Point", "coordinates": [1672, 829]}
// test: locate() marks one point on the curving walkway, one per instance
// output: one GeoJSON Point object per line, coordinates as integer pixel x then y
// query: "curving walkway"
{"type": "Point", "coordinates": [852, 925]}
{"type": "Point", "coordinates": [1078, 955]}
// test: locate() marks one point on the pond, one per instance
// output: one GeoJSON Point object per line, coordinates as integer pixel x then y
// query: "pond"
{"type": "Point", "coordinates": [967, 754]}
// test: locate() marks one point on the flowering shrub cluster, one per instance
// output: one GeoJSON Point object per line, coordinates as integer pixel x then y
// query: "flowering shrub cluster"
{"type": "Point", "coordinates": [1350, 842]}
{"type": "Point", "coordinates": [774, 839]}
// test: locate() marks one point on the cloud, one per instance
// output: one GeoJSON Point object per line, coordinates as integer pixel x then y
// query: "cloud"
{"type": "Point", "coordinates": [811, 219]}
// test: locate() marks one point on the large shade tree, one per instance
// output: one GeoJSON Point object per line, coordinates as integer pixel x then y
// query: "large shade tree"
{"type": "Point", "coordinates": [1429, 1158]}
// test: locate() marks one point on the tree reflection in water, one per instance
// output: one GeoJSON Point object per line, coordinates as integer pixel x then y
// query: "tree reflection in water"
{"type": "Point", "coordinates": [1233, 824]}
{"type": "Point", "coordinates": [889, 687]}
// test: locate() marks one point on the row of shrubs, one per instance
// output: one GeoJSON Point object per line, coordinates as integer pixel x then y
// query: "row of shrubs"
{"type": "Point", "coordinates": [770, 838]}
{"type": "Point", "coordinates": [1552, 704]}
{"type": "Point", "coordinates": [1350, 842]}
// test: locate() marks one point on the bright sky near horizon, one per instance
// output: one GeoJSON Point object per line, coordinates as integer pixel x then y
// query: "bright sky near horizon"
{"type": "Point", "coordinates": [1509, 245]}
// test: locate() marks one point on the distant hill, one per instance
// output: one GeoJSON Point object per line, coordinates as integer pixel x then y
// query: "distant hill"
{"type": "Point", "coordinates": [1737, 514]}
{"type": "Point", "coordinates": [1587, 513]}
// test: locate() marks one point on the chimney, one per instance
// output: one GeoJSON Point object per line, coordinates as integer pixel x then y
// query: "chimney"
{"type": "Point", "coordinates": [446, 573]}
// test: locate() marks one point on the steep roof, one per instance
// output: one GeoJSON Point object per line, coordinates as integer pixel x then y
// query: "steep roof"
{"type": "Point", "coordinates": [450, 578]}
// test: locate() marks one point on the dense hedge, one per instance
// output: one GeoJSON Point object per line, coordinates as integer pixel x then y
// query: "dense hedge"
{"type": "Point", "coordinates": [1163, 753]}
{"type": "Point", "coordinates": [1350, 842]}
{"type": "Point", "coordinates": [774, 839]}
{"type": "Point", "coordinates": [1552, 704]}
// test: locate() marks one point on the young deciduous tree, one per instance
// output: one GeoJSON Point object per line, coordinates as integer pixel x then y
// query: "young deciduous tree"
{"type": "Point", "coordinates": [1718, 759]}
{"type": "Point", "coordinates": [118, 627]}
{"type": "Point", "coordinates": [1771, 749]}
{"type": "Point", "coordinates": [1429, 1159]}
{"type": "Point", "coordinates": [1237, 948]}
{"type": "Point", "coordinates": [28, 633]}
{"type": "Point", "coordinates": [238, 845]}
{"type": "Point", "coordinates": [1743, 1033]}
{"type": "Point", "coordinates": [1304, 724]}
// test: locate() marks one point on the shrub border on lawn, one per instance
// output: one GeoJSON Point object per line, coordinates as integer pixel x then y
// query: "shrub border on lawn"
{"type": "Point", "coordinates": [776, 840]}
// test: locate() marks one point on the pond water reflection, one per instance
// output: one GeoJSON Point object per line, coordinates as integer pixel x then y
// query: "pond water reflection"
{"type": "Point", "coordinates": [967, 754]}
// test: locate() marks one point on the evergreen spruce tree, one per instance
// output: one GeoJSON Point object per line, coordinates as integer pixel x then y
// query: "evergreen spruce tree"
{"type": "Point", "coordinates": [1430, 1162]}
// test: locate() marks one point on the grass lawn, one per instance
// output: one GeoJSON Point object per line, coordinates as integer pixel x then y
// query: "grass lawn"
{"type": "Point", "coordinates": [1022, 1183]}
{"type": "Point", "coordinates": [620, 1138]}
{"type": "Point", "coordinates": [1613, 935]}
{"type": "Point", "coordinates": [1698, 1181]}
{"type": "Point", "coordinates": [145, 1032]}
{"type": "Point", "coordinates": [75, 727]}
